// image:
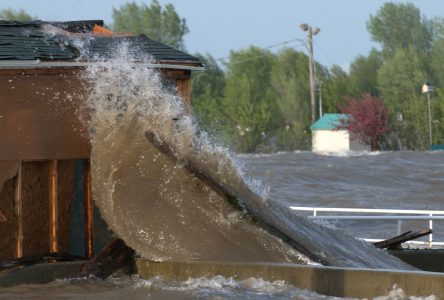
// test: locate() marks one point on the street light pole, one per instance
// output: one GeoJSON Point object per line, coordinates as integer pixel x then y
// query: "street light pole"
{"type": "Point", "coordinates": [430, 118]}
{"type": "Point", "coordinates": [311, 66]}
{"type": "Point", "coordinates": [427, 89]}
{"type": "Point", "coordinates": [320, 97]}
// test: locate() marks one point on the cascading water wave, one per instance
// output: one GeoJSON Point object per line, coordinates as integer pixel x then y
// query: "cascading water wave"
{"type": "Point", "coordinates": [148, 199]}
{"type": "Point", "coordinates": [166, 190]}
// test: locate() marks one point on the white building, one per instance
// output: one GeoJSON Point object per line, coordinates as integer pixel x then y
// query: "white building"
{"type": "Point", "coordinates": [328, 137]}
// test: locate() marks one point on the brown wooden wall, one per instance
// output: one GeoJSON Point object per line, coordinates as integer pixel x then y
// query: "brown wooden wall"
{"type": "Point", "coordinates": [39, 113]}
{"type": "Point", "coordinates": [40, 125]}
{"type": "Point", "coordinates": [34, 209]}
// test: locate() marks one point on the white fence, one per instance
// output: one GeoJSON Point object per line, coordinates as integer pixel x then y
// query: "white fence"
{"type": "Point", "coordinates": [378, 214]}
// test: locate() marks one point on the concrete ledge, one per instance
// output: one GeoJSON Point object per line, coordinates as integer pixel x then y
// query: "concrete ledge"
{"type": "Point", "coordinates": [340, 282]}
{"type": "Point", "coordinates": [40, 273]}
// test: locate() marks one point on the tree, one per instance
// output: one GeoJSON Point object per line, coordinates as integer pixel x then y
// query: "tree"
{"type": "Point", "coordinates": [437, 61]}
{"type": "Point", "coordinates": [207, 92]}
{"type": "Point", "coordinates": [400, 80]}
{"type": "Point", "coordinates": [248, 102]}
{"type": "Point", "coordinates": [400, 25]}
{"type": "Point", "coordinates": [161, 24]}
{"type": "Point", "coordinates": [364, 73]}
{"type": "Point", "coordinates": [290, 82]}
{"type": "Point", "coordinates": [335, 89]}
{"type": "Point", "coordinates": [367, 121]}
{"type": "Point", "coordinates": [16, 15]}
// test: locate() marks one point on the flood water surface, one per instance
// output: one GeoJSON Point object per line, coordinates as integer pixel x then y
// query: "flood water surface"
{"type": "Point", "coordinates": [385, 180]}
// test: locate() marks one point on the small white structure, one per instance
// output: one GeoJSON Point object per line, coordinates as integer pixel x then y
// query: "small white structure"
{"type": "Point", "coordinates": [328, 137]}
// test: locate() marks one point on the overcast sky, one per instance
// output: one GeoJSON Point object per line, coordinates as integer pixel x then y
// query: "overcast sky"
{"type": "Point", "coordinates": [218, 26]}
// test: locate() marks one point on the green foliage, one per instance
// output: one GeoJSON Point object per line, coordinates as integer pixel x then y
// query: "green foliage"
{"type": "Point", "coordinates": [400, 80]}
{"type": "Point", "coordinates": [400, 25]}
{"type": "Point", "coordinates": [290, 82]}
{"type": "Point", "coordinates": [161, 24]}
{"type": "Point", "coordinates": [364, 73]}
{"type": "Point", "coordinates": [437, 61]}
{"type": "Point", "coordinates": [437, 100]}
{"type": "Point", "coordinates": [335, 89]}
{"type": "Point", "coordinates": [248, 100]}
{"type": "Point", "coordinates": [16, 15]}
{"type": "Point", "coordinates": [207, 92]}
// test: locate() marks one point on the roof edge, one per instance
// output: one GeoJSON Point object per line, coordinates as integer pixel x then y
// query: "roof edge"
{"type": "Point", "coordinates": [30, 64]}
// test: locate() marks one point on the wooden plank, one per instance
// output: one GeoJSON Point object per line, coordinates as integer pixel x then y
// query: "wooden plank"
{"type": "Point", "coordinates": [18, 207]}
{"type": "Point", "coordinates": [35, 197]}
{"type": "Point", "coordinates": [8, 229]}
{"type": "Point", "coordinates": [395, 242]}
{"type": "Point", "coordinates": [53, 207]}
{"type": "Point", "coordinates": [65, 191]}
{"type": "Point", "coordinates": [183, 87]}
{"type": "Point", "coordinates": [89, 211]}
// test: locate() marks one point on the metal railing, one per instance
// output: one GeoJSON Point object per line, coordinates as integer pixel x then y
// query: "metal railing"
{"type": "Point", "coordinates": [379, 214]}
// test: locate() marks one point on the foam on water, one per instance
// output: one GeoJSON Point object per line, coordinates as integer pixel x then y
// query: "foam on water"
{"type": "Point", "coordinates": [210, 288]}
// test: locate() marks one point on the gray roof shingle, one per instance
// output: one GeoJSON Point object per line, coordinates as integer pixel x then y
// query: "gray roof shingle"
{"type": "Point", "coordinates": [30, 40]}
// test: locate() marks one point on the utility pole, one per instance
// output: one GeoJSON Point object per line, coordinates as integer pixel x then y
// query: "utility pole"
{"type": "Point", "coordinates": [311, 66]}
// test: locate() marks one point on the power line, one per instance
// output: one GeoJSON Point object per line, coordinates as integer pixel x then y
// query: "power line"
{"type": "Point", "coordinates": [324, 53]}
{"type": "Point", "coordinates": [222, 59]}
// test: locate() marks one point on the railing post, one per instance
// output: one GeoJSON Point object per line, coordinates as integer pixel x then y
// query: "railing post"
{"type": "Point", "coordinates": [431, 235]}
{"type": "Point", "coordinates": [314, 213]}
{"type": "Point", "coordinates": [399, 227]}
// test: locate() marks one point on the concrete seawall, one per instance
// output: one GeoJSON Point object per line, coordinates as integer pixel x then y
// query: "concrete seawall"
{"type": "Point", "coordinates": [340, 282]}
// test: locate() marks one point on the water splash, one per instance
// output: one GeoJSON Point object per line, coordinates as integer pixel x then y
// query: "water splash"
{"type": "Point", "coordinates": [168, 197]}
{"type": "Point", "coordinates": [149, 200]}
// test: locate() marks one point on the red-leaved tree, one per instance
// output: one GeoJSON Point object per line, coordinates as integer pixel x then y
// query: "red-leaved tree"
{"type": "Point", "coordinates": [367, 121]}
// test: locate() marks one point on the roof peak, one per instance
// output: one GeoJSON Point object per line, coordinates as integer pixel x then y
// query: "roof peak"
{"type": "Point", "coordinates": [83, 26]}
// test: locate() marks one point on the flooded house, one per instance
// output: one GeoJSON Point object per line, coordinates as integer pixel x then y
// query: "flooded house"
{"type": "Point", "coordinates": [329, 137]}
{"type": "Point", "coordinates": [44, 146]}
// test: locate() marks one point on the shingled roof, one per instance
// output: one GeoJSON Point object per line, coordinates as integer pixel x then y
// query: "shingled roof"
{"type": "Point", "coordinates": [62, 41]}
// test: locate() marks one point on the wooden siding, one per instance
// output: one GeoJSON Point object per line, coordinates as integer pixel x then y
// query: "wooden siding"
{"type": "Point", "coordinates": [39, 123]}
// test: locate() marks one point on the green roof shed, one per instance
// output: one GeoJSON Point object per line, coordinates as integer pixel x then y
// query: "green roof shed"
{"type": "Point", "coordinates": [329, 122]}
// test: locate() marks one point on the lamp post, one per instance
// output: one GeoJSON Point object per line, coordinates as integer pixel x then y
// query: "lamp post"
{"type": "Point", "coordinates": [311, 66]}
{"type": "Point", "coordinates": [427, 89]}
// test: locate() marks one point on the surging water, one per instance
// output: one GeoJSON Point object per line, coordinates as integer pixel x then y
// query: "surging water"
{"type": "Point", "coordinates": [148, 199]}
{"type": "Point", "coordinates": [173, 204]}
{"type": "Point", "coordinates": [213, 288]}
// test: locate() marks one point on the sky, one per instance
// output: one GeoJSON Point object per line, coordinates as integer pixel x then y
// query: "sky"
{"type": "Point", "coordinates": [219, 26]}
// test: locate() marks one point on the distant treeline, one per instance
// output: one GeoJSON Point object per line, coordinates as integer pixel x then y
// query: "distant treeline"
{"type": "Point", "coordinates": [259, 101]}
